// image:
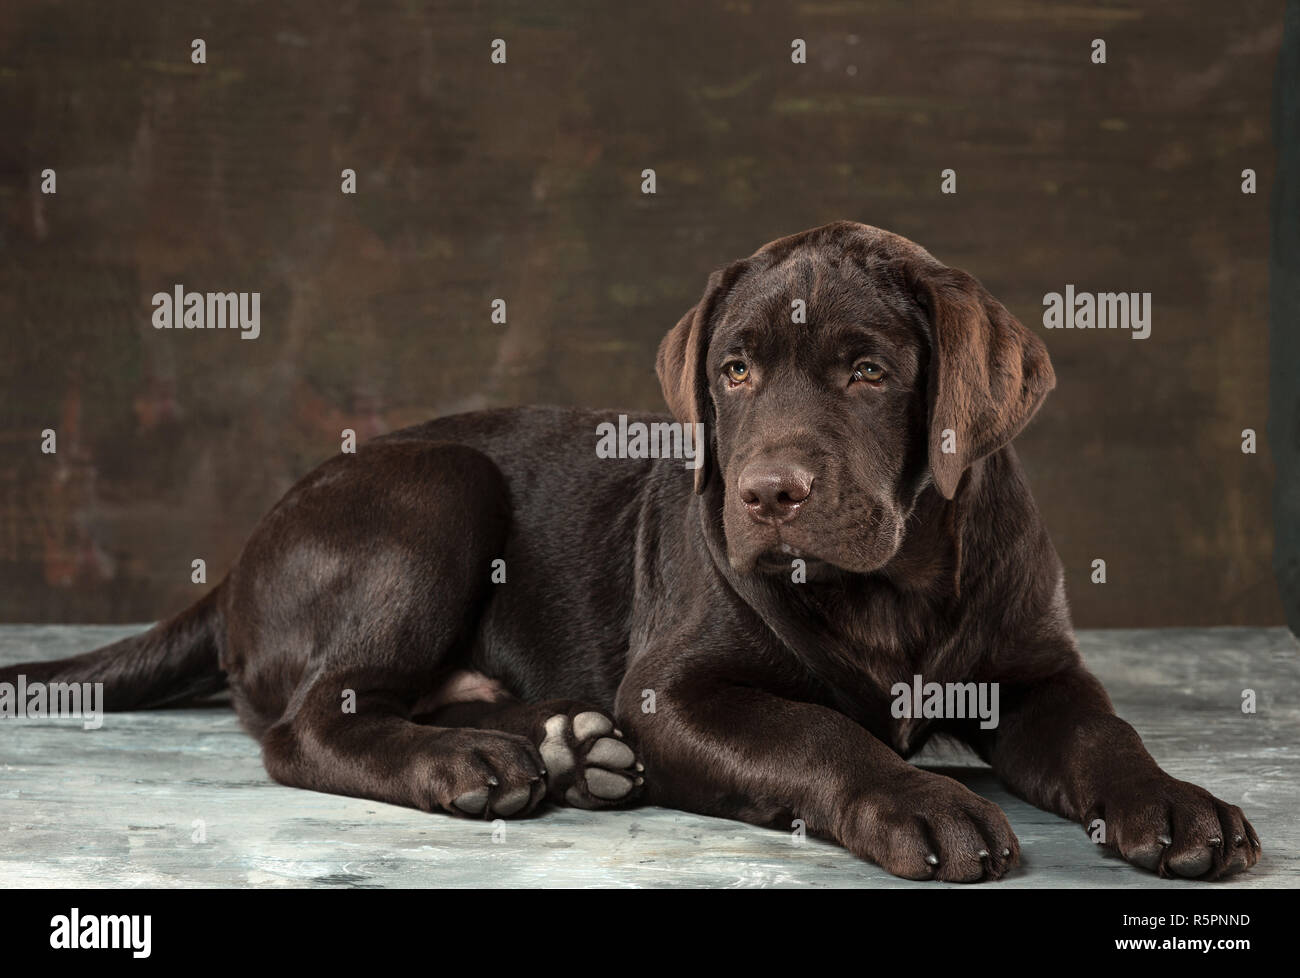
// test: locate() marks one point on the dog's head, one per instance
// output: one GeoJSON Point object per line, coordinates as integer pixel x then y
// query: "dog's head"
{"type": "Point", "coordinates": [841, 372]}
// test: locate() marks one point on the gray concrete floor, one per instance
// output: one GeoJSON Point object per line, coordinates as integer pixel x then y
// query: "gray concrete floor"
{"type": "Point", "coordinates": [178, 798]}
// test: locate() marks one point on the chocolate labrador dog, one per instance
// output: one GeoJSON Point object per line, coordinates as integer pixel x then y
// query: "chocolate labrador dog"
{"type": "Point", "coordinates": [484, 612]}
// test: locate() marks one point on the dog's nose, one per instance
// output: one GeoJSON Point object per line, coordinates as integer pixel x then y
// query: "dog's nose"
{"type": "Point", "coordinates": [772, 492]}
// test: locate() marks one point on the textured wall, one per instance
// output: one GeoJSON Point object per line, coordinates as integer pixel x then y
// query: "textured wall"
{"type": "Point", "coordinates": [522, 181]}
{"type": "Point", "coordinates": [1284, 287]}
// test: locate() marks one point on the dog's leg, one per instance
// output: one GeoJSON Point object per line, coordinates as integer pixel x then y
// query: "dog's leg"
{"type": "Point", "coordinates": [352, 604]}
{"type": "Point", "coordinates": [715, 743]}
{"type": "Point", "coordinates": [588, 763]}
{"type": "Point", "coordinates": [1060, 745]}
{"type": "Point", "coordinates": [376, 752]}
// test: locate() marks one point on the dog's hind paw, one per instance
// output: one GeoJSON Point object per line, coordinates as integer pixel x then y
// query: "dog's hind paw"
{"type": "Point", "coordinates": [489, 774]}
{"type": "Point", "coordinates": [587, 763]}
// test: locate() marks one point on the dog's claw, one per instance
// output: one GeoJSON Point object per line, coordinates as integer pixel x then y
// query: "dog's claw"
{"type": "Point", "coordinates": [472, 802]}
{"type": "Point", "coordinates": [512, 802]}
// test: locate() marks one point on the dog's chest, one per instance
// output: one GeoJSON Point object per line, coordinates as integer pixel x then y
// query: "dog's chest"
{"type": "Point", "coordinates": [897, 648]}
{"type": "Point", "coordinates": [888, 703]}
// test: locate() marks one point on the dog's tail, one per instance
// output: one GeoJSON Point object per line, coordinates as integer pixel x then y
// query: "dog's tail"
{"type": "Point", "coordinates": [176, 660]}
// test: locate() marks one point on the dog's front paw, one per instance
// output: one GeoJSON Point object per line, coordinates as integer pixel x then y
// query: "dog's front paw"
{"type": "Point", "coordinates": [587, 763]}
{"type": "Point", "coordinates": [1173, 828]}
{"type": "Point", "coordinates": [933, 828]}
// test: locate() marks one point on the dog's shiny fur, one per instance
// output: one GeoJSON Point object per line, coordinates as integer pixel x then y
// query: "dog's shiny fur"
{"type": "Point", "coordinates": [870, 443]}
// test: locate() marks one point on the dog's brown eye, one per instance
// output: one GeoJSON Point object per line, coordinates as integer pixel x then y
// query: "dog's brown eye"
{"type": "Point", "coordinates": [738, 372]}
{"type": "Point", "coordinates": [871, 372]}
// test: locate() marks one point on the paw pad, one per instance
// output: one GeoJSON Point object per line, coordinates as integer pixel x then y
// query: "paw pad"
{"type": "Point", "coordinates": [587, 763]}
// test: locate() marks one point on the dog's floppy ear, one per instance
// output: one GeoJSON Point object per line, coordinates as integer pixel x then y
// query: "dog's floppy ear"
{"type": "Point", "coordinates": [988, 373]}
{"type": "Point", "coordinates": [681, 362]}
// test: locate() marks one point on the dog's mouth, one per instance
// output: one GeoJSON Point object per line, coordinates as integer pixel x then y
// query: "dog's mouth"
{"type": "Point", "coordinates": [781, 558]}
{"type": "Point", "coordinates": [787, 555]}
{"type": "Point", "coordinates": [805, 554]}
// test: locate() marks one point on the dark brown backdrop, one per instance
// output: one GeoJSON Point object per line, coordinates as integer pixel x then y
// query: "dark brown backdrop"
{"type": "Point", "coordinates": [522, 181]}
